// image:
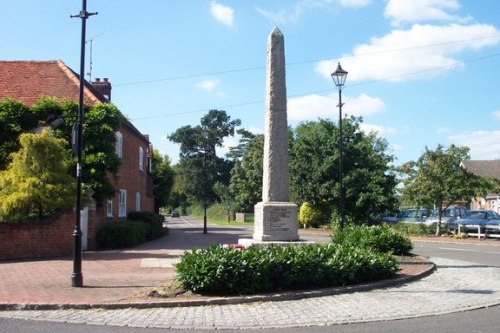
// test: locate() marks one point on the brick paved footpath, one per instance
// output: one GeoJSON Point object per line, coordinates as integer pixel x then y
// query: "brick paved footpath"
{"type": "Point", "coordinates": [120, 278]}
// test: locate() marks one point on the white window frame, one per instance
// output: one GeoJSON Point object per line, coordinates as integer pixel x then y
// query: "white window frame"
{"type": "Point", "coordinates": [119, 144]}
{"type": "Point", "coordinates": [109, 208]}
{"type": "Point", "coordinates": [122, 203]}
{"type": "Point", "coordinates": [137, 201]}
{"type": "Point", "coordinates": [141, 158]}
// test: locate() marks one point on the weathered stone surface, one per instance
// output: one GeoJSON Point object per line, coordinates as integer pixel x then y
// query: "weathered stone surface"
{"type": "Point", "coordinates": [275, 221]}
{"type": "Point", "coordinates": [276, 177]}
{"type": "Point", "coordinates": [275, 217]}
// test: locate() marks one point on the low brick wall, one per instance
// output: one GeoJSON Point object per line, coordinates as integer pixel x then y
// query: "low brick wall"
{"type": "Point", "coordinates": [37, 239]}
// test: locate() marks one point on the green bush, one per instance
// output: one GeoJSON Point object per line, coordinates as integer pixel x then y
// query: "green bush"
{"type": "Point", "coordinates": [270, 268]}
{"type": "Point", "coordinates": [121, 234]}
{"type": "Point", "coordinates": [376, 238]}
{"type": "Point", "coordinates": [153, 223]}
{"type": "Point", "coordinates": [309, 215]}
{"type": "Point", "coordinates": [416, 229]}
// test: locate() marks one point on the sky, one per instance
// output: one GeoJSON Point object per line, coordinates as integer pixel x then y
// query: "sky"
{"type": "Point", "coordinates": [420, 72]}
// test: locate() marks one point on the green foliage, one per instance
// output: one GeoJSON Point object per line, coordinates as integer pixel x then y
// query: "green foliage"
{"type": "Point", "coordinates": [374, 238]}
{"type": "Point", "coordinates": [152, 221]}
{"type": "Point", "coordinates": [313, 216]}
{"type": "Point", "coordinates": [199, 167]}
{"type": "Point", "coordinates": [416, 229]}
{"type": "Point", "coordinates": [121, 234]}
{"type": "Point", "coordinates": [100, 124]}
{"type": "Point", "coordinates": [246, 175]}
{"type": "Point", "coordinates": [36, 184]}
{"type": "Point", "coordinates": [369, 181]}
{"type": "Point", "coordinates": [15, 118]}
{"type": "Point", "coordinates": [438, 178]}
{"type": "Point", "coordinates": [270, 268]}
{"type": "Point", "coordinates": [163, 180]}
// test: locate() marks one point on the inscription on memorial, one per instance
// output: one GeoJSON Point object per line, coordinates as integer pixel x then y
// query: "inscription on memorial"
{"type": "Point", "coordinates": [278, 219]}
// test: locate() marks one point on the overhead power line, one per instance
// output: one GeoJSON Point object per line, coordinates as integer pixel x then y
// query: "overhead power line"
{"type": "Point", "coordinates": [295, 63]}
{"type": "Point", "coordinates": [322, 90]}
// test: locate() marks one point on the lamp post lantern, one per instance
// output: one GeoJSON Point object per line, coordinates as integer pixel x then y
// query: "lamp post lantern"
{"type": "Point", "coordinates": [339, 77]}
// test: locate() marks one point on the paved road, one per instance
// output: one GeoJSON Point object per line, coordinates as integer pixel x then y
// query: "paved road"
{"type": "Point", "coordinates": [456, 286]}
{"type": "Point", "coordinates": [479, 254]}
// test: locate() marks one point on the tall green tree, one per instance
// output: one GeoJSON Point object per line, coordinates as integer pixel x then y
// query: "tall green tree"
{"type": "Point", "coordinates": [437, 178]}
{"type": "Point", "coordinates": [36, 183]}
{"type": "Point", "coordinates": [199, 167]}
{"type": "Point", "coordinates": [163, 179]}
{"type": "Point", "coordinates": [369, 181]}
{"type": "Point", "coordinates": [246, 175]}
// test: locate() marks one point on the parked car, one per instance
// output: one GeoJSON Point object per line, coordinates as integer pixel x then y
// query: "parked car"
{"type": "Point", "coordinates": [392, 217]}
{"type": "Point", "coordinates": [493, 226]}
{"type": "Point", "coordinates": [448, 216]}
{"type": "Point", "coordinates": [476, 217]}
{"type": "Point", "coordinates": [415, 215]}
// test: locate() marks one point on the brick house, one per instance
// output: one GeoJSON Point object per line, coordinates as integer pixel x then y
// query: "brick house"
{"type": "Point", "coordinates": [488, 169]}
{"type": "Point", "coordinates": [28, 80]}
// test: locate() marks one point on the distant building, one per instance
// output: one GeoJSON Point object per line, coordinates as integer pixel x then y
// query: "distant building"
{"type": "Point", "coordinates": [488, 169]}
{"type": "Point", "coordinates": [26, 81]}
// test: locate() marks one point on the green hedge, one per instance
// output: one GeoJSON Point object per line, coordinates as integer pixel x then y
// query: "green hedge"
{"type": "Point", "coordinates": [139, 228]}
{"type": "Point", "coordinates": [153, 222]}
{"type": "Point", "coordinates": [270, 268]}
{"type": "Point", "coordinates": [121, 234]}
{"type": "Point", "coordinates": [375, 238]}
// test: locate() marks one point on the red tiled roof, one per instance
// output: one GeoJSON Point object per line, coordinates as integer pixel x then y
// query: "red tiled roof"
{"type": "Point", "coordinates": [28, 80]}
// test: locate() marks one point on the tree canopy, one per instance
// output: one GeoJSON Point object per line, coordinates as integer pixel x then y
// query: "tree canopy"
{"type": "Point", "coordinates": [437, 178]}
{"type": "Point", "coordinates": [163, 180]}
{"type": "Point", "coordinates": [199, 167]}
{"type": "Point", "coordinates": [36, 183]}
{"type": "Point", "coordinates": [101, 122]}
{"type": "Point", "coordinates": [369, 181]}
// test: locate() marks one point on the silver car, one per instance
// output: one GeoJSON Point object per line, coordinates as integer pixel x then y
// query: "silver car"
{"type": "Point", "coordinates": [449, 215]}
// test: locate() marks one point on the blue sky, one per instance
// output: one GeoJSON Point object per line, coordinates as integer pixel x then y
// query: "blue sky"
{"type": "Point", "coordinates": [420, 72]}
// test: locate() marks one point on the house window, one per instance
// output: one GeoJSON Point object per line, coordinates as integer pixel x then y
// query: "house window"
{"type": "Point", "coordinates": [122, 203]}
{"type": "Point", "coordinates": [137, 201]}
{"type": "Point", "coordinates": [119, 144]}
{"type": "Point", "coordinates": [109, 208]}
{"type": "Point", "coordinates": [141, 159]}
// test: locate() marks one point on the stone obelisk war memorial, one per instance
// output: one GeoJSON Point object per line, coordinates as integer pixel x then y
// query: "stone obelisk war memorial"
{"type": "Point", "coordinates": [275, 216]}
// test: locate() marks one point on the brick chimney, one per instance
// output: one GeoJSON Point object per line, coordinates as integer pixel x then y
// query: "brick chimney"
{"type": "Point", "coordinates": [104, 87]}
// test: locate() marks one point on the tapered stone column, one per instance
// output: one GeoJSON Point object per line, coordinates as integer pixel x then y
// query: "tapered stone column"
{"type": "Point", "coordinates": [275, 216]}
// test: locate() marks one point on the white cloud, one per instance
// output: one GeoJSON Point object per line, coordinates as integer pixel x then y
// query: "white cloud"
{"type": "Point", "coordinates": [223, 14]}
{"type": "Point", "coordinates": [293, 13]}
{"type": "Point", "coordinates": [380, 130]}
{"type": "Point", "coordinates": [355, 3]}
{"type": "Point", "coordinates": [483, 145]}
{"type": "Point", "coordinates": [311, 107]}
{"type": "Point", "coordinates": [403, 11]}
{"type": "Point", "coordinates": [496, 114]}
{"type": "Point", "coordinates": [424, 51]}
{"type": "Point", "coordinates": [208, 85]}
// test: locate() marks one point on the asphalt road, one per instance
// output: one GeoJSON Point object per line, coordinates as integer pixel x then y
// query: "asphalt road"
{"type": "Point", "coordinates": [483, 320]}
{"type": "Point", "coordinates": [478, 254]}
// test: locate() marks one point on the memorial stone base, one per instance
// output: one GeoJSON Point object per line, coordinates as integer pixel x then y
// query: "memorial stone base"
{"type": "Point", "coordinates": [276, 221]}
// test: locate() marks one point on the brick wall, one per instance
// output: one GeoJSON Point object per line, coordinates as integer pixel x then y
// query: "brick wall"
{"type": "Point", "coordinates": [37, 239]}
{"type": "Point", "coordinates": [130, 178]}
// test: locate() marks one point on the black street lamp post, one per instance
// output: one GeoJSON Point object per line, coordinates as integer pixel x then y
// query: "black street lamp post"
{"type": "Point", "coordinates": [204, 132]}
{"type": "Point", "coordinates": [339, 77]}
{"type": "Point", "coordinates": [77, 277]}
